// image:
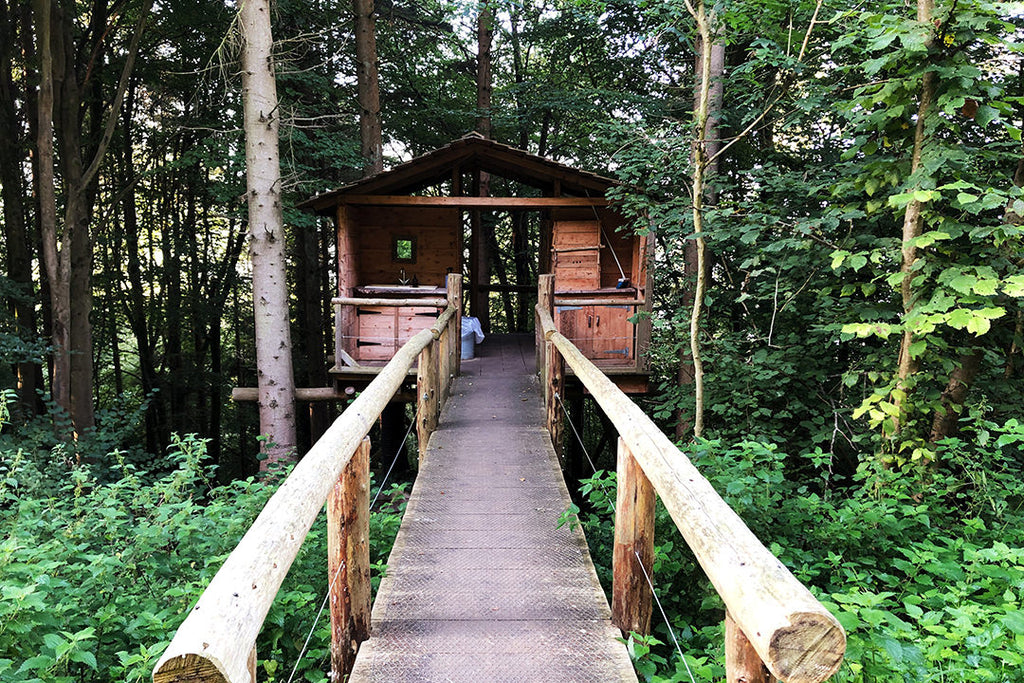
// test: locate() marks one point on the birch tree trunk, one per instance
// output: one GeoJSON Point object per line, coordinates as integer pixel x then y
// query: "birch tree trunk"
{"type": "Point", "coordinates": [368, 88]}
{"type": "Point", "coordinates": [266, 235]}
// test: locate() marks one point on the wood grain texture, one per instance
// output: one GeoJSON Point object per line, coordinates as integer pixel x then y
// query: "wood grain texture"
{"type": "Point", "coordinates": [742, 663]}
{"type": "Point", "coordinates": [634, 536]}
{"type": "Point", "coordinates": [793, 633]}
{"type": "Point", "coordinates": [348, 560]}
{"type": "Point", "coordinates": [426, 397]}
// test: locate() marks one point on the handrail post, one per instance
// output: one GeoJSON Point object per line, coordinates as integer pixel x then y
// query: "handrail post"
{"type": "Point", "coordinates": [554, 390]}
{"type": "Point", "coordinates": [426, 396]}
{"type": "Point", "coordinates": [742, 663]}
{"type": "Point", "coordinates": [545, 301]}
{"type": "Point", "coordinates": [634, 536]}
{"type": "Point", "coordinates": [454, 286]}
{"type": "Point", "coordinates": [348, 560]}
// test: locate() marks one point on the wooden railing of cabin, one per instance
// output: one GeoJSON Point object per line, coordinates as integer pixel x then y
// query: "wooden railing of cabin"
{"type": "Point", "coordinates": [217, 640]}
{"type": "Point", "coordinates": [772, 621]}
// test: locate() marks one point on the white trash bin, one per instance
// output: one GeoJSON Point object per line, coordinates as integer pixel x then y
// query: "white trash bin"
{"type": "Point", "coordinates": [472, 334]}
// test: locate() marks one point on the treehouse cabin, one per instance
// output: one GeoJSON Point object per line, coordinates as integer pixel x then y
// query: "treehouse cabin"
{"type": "Point", "coordinates": [403, 231]}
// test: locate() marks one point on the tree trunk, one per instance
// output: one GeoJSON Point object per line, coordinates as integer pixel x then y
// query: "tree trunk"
{"type": "Point", "coordinates": [695, 267]}
{"type": "Point", "coordinates": [68, 256]}
{"type": "Point", "coordinates": [368, 88]}
{"type": "Point", "coordinates": [15, 229]}
{"type": "Point", "coordinates": [483, 69]}
{"type": "Point", "coordinates": [953, 396]}
{"type": "Point", "coordinates": [706, 129]}
{"type": "Point", "coordinates": [912, 225]}
{"type": "Point", "coordinates": [266, 234]}
{"type": "Point", "coordinates": [481, 229]}
{"type": "Point", "coordinates": [312, 346]}
{"type": "Point", "coordinates": [56, 250]}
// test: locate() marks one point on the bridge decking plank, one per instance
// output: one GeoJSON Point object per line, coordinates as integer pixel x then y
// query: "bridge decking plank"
{"type": "Point", "coordinates": [482, 586]}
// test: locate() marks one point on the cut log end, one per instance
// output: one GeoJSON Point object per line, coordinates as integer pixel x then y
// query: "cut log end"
{"type": "Point", "coordinates": [809, 650]}
{"type": "Point", "coordinates": [189, 667]}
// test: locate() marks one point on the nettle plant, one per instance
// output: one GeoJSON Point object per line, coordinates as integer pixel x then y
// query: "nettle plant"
{"type": "Point", "coordinates": [97, 572]}
{"type": "Point", "coordinates": [929, 585]}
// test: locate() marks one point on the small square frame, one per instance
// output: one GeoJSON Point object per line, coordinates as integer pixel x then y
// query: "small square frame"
{"type": "Point", "coordinates": [403, 249]}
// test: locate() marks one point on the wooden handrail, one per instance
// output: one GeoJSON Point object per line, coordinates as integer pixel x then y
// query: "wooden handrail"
{"type": "Point", "coordinates": [792, 632]}
{"type": "Point", "coordinates": [606, 301]}
{"type": "Point", "coordinates": [432, 302]}
{"type": "Point", "coordinates": [216, 641]}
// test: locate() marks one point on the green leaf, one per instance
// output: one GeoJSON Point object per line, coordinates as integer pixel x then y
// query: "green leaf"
{"type": "Point", "coordinates": [1014, 621]}
{"type": "Point", "coordinates": [898, 201]}
{"type": "Point", "coordinates": [985, 115]}
{"type": "Point", "coordinates": [978, 326]}
{"type": "Point", "coordinates": [52, 641]}
{"type": "Point", "coordinates": [959, 319]}
{"type": "Point", "coordinates": [966, 198]}
{"type": "Point", "coordinates": [926, 195]}
{"type": "Point", "coordinates": [1014, 285]}
{"type": "Point", "coordinates": [85, 657]}
{"type": "Point", "coordinates": [917, 348]}
{"type": "Point", "coordinates": [929, 238]}
{"type": "Point", "coordinates": [963, 283]}
{"type": "Point", "coordinates": [986, 287]}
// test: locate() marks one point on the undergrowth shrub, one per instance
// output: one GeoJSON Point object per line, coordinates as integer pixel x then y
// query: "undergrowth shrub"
{"type": "Point", "coordinates": [96, 573]}
{"type": "Point", "coordinates": [924, 569]}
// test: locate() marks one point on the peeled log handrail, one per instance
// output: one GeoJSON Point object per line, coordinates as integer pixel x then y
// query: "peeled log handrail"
{"type": "Point", "coordinates": [795, 636]}
{"type": "Point", "coordinates": [217, 638]}
{"type": "Point", "coordinates": [432, 302]}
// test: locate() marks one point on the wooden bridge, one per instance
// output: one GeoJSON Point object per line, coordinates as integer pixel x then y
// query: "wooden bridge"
{"type": "Point", "coordinates": [482, 584]}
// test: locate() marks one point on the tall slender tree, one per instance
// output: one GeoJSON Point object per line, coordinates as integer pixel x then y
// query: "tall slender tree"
{"type": "Point", "coordinates": [70, 108]}
{"type": "Point", "coordinates": [368, 88]}
{"type": "Point", "coordinates": [267, 246]}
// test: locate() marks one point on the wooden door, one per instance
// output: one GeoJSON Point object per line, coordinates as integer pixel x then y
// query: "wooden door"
{"type": "Point", "coordinates": [611, 333]}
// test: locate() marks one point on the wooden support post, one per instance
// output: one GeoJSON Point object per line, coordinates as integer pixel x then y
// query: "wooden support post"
{"type": "Point", "coordinates": [348, 560]}
{"type": "Point", "coordinates": [545, 301]}
{"type": "Point", "coordinates": [345, 316]}
{"type": "Point", "coordinates": [554, 390]}
{"type": "Point", "coordinates": [454, 286]}
{"type": "Point", "coordinates": [426, 397]}
{"type": "Point", "coordinates": [634, 535]}
{"type": "Point", "coordinates": [742, 663]}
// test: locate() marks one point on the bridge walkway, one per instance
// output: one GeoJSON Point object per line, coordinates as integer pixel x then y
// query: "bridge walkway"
{"type": "Point", "coordinates": [482, 584]}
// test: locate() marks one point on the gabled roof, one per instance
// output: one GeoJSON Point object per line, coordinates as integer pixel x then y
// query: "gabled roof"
{"type": "Point", "coordinates": [468, 154]}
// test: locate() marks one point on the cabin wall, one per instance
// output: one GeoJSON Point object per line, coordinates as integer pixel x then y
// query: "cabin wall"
{"type": "Point", "coordinates": [596, 313]}
{"type": "Point", "coordinates": [581, 256]}
{"type": "Point", "coordinates": [437, 232]}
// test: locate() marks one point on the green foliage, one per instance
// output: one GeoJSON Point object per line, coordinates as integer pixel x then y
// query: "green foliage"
{"type": "Point", "coordinates": [97, 575]}
{"type": "Point", "coordinates": [925, 572]}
